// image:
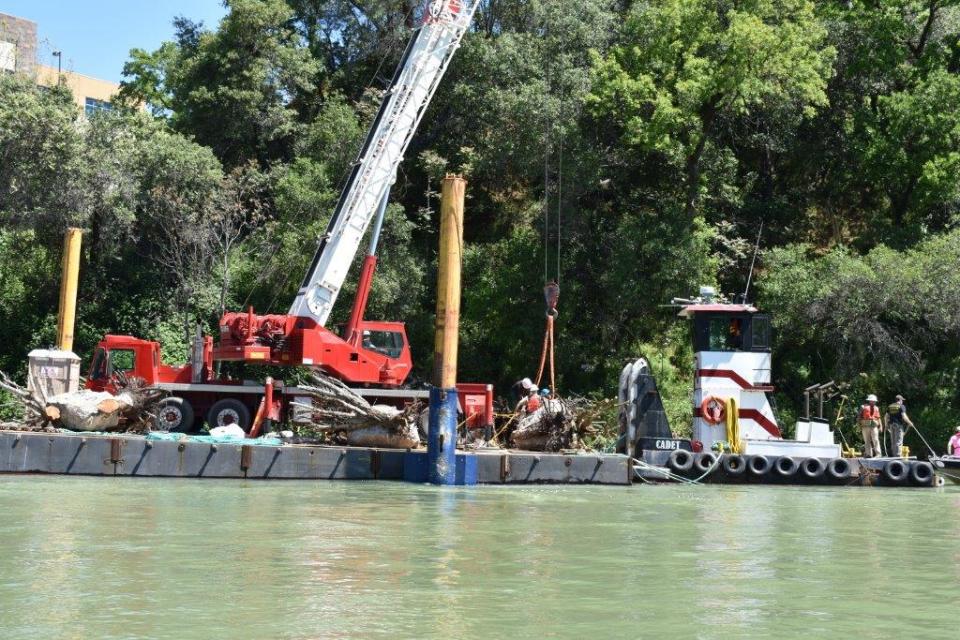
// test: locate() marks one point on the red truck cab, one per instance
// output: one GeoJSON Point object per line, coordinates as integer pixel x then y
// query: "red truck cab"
{"type": "Point", "coordinates": [133, 357]}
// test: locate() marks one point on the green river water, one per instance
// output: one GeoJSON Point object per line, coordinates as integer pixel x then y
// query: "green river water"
{"type": "Point", "coordinates": [121, 558]}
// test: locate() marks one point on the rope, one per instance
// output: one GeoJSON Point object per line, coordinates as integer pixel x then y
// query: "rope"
{"type": "Point", "coordinates": [663, 471]}
{"type": "Point", "coordinates": [672, 476]}
{"type": "Point", "coordinates": [716, 463]}
{"type": "Point", "coordinates": [733, 427]}
{"type": "Point", "coordinates": [553, 368]}
{"type": "Point", "coordinates": [547, 349]}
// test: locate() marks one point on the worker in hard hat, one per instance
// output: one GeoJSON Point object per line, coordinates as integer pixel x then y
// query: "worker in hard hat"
{"type": "Point", "coordinates": [871, 425]}
{"type": "Point", "coordinates": [529, 404]}
{"type": "Point", "coordinates": [897, 424]}
{"type": "Point", "coordinates": [953, 447]}
{"type": "Point", "coordinates": [521, 389]}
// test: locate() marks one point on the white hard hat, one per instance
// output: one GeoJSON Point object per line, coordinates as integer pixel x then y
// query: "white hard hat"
{"type": "Point", "coordinates": [527, 383]}
{"type": "Point", "coordinates": [871, 398]}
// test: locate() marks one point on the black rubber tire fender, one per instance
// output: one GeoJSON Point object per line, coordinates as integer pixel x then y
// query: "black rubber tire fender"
{"type": "Point", "coordinates": [681, 461]}
{"type": "Point", "coordinates": [785, 467]}
{"type": "Point", "coordinates": [812, 468]}
{"type": "Point", "coordinates": [896, 471]}
{"type": "Point", "coordinates": [921, 474]}
{"type": "Point", "coordinates": [839, 469]}
{"type": "Point", "coordinates": [758, 465]}
{"type": "Point", "coordinates": [229, 411]}
{"type": "Point", "coordinates": [175, 414]}
{"type": "Point", "coordinates": [704, 462]}
{"type": "Point", "coordinates": [734, 465]}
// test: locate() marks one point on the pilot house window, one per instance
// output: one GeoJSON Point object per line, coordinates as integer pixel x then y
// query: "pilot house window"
{"type": "Point", "coordinates": [761, 333]}
{"type": "Point", "coordinates": [726, 334]}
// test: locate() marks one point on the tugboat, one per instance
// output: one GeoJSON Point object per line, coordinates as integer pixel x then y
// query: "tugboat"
{"type": "Point", "coordinates": [735, 433]}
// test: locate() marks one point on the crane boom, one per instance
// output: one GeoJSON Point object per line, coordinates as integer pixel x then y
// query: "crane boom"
{"type": "Point", "coordinates": [424, 62]}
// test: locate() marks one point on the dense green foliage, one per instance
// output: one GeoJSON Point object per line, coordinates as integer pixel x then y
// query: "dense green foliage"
{"type": "Point", "coordinates": [658, 135]}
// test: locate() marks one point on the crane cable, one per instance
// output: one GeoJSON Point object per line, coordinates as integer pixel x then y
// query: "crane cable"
{"type": "Point", "coordinates": [551, 289]}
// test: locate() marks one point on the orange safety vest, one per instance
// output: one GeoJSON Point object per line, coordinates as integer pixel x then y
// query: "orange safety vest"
{"type": "Point", "coordinates": [869, 413]}
{"type": "Point", "coordinates": [533, 403]}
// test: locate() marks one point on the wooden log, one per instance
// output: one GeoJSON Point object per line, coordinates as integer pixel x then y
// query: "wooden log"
{"type": "Point", "coordinates": [108, 405]}
{"type": "Point", "coordinates": [384, 437]}
{"type": "Point", "coordinates": [88, 410]}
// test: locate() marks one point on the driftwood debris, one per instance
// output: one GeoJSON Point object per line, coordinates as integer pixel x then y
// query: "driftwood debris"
{"type": "Point", "coordinates": [560, 424]}
{"type": "Point", "coordinates": [84, 410]}
{"type": "Point", "coordinates": [34, 416]}
{"type": "Point", "coordinates": [546, 429]}
{"type": "Point", "coordinates": [340, 414]}
{"type": "Point", "coordinates": [140, 400]}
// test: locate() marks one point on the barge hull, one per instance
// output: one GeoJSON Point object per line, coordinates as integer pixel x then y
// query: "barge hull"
{"type": "Point", "coordinates": [135, 456]}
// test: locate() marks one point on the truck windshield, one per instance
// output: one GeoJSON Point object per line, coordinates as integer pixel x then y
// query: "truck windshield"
{"type": "Point", "coordinates": [98, 370]}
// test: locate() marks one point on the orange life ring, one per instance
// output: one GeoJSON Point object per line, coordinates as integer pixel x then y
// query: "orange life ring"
{"type": "Point", "coordinates": [713, 410]}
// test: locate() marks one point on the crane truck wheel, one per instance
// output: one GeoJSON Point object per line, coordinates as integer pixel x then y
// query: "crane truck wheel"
{"type": "Point", "coordinates": [229, 411]}
{"type": "Point", "coordinates": [174, 414]}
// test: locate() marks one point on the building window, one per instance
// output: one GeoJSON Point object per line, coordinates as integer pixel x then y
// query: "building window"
{"type": "Point", "coordinates": [92, 106]}
{"type": "Point", "coordinates": [8, 56]}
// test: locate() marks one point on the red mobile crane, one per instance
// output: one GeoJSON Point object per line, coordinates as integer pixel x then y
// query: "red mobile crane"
{"type": "Point", "coordinates": [372, 355]}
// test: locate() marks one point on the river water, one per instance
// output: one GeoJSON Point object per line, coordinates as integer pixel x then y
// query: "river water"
{"type": "Point", "coordinates": [133, 558]}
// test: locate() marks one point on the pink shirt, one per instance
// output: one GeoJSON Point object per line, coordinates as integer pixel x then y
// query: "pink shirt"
{"type": "Point", "coordinates": [953, 448]}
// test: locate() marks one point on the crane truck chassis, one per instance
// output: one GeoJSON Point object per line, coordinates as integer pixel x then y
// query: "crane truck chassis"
{"type": "Point", "coordinates": [196, 394]}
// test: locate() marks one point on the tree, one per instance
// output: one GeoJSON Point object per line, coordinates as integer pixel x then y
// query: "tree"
{"type": "Point", "coordinates": [685, 65]}
{"type": "Point", "coordinates": [40, 152]}
{"type": "Point", "coordinates": [236, 90]}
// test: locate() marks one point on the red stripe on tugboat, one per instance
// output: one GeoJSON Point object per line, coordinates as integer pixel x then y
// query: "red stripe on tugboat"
{"type": "Point", "coordinates": [755, 415]}
{"type": "Point", "coordinates": [732, 375]}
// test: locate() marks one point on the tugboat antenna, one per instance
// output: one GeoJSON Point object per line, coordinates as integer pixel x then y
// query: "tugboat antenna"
{"type": "Point", "coordinates": [753, 262]}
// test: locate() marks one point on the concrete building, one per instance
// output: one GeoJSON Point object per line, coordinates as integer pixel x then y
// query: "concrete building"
{"type": "Point", "coordinates": [18, 44]}
{"type": "Point", "coordinates": [18, 54]}
{"type": "Point", "coordinates": [91, 94]}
